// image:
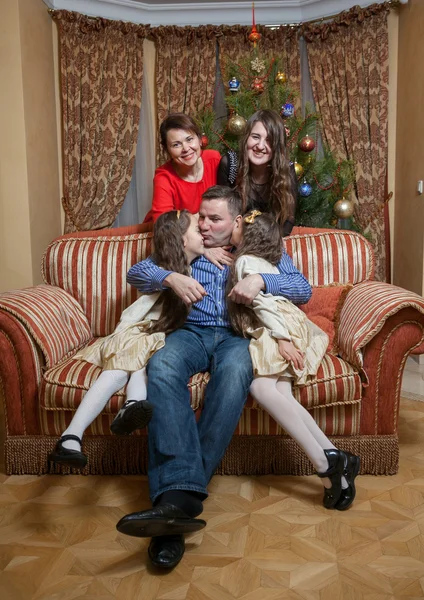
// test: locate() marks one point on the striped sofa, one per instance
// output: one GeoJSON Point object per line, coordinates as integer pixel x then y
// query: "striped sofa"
{"type": "Point", "coordinates": [354, 398]}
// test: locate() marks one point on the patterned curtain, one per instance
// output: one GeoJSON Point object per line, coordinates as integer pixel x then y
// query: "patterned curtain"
{"type": "Point", "coordinates": [281, 43]}
{"type": "Point", "coordinates": [185, 70]}
{"type": "Point", "coordinates": [101, 64]}
{"type": "Point", "coordinates": [349, 64]}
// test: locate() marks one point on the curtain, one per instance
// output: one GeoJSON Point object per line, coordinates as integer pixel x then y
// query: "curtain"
{"type": "Point", "coordinates": [185, 70]}
{"type": "Point", "coordinates": [138, 200]}
{"type": "Point", "coordinates": [281, 43]}
{"type": "Point", "coordinates": [349, 64]}
{"type": "Point", "coordinates": [101, 65]}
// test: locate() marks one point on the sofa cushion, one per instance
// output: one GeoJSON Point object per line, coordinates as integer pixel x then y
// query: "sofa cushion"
{"type": "Point", "coordinates": [330, 255]}
{"type": "Point", "coordinates": [324, 310]}
{"type": "Point", "coordinates": [333, 397]}
{"type": "Point", "coordinates": [52, 316]}
{"type": "Point", "coordinates": [93, 269]}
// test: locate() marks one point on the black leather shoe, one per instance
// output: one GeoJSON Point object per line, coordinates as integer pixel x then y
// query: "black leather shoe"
{"type": "Point", "coordinates": [348, 494]}
{"type": "Point", "coordinates": [135, 414]}
{"type": "Point", "coordinates": [67, 457]}
{"type": "Point", "coordinates": [166, 551]}
{"type": "Point", "coordinates": [337, 460]}
{"type": "Point", "coordinates": [163, 519]}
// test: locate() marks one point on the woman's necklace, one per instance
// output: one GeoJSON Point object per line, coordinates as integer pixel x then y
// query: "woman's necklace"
{"type": "Point", "coordinates": [199, 170]}
{"type": "Point", "coordinates": [198, 174]}
{"type": "Point", "coordinates": [257, 182]}
{"type": "Point", "coordinates": [263, 178]}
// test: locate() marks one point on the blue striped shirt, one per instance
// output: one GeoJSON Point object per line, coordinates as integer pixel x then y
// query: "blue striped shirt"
{"type": "Point", "coordinates": [147, 277]}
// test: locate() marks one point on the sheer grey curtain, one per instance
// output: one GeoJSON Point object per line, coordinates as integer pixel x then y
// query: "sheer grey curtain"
{"type": "Point", "coordinates": [138, 200]}
{"type": "Point", "coordinates": [306, 89]}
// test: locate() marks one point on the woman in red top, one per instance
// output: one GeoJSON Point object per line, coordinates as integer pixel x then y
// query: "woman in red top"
{"type": "Point", "coordinates": [181, 181]}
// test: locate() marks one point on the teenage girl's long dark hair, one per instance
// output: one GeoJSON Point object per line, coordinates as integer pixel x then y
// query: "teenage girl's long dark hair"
{"type": "Point", "coordinates": [261, 238]}
{"type": "Point", "coordinates": [281, 199]}
{"type": "Point", "coordinates": [168, 253]}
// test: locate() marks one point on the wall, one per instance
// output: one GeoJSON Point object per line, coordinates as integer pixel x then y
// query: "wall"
{"type": "Point", "coordinates": [29, 174]}
{"type": "Point", "coordinates": [15, 246]}
{"type": "Point", "coordinates": [393, 27]}
{"type": "Point", "coordinates": [409, 209]}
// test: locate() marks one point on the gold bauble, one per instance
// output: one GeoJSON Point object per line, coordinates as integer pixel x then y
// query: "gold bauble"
{"type": "Point", "coordinates": [236, 124]}
{"type": "Point", "coordinates": [344, 208]}
{"type": "Point", "coordinates": [298, 169]}
{"type": "Point", "coordinates": [281, 78]}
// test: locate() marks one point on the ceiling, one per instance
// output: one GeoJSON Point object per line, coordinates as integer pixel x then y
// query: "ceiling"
{"type": "Point", "coordinates": [208, 12]}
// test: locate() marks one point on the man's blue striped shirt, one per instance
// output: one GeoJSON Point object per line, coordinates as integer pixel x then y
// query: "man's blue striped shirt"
{"type": "Point", "coordinates": [147, 277]}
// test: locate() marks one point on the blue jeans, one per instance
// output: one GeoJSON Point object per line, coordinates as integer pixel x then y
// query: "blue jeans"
{"type": "Point", "coordinates": [183, 454]}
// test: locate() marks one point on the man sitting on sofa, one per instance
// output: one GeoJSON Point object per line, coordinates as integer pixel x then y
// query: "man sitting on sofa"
{"type": "Point", "coordinates": [183, 454]}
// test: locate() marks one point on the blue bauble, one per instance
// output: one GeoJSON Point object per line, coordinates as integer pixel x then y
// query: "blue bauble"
{"type": "Point", "coordinates": [305, 189]}
{"type": "Point", "coordinates": [234, 84]}
{"type": "Point", "coordinates": [287, 110]}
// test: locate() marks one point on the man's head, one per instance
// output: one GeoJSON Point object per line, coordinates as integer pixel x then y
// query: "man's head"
{"type": "Point", "coordinates": [217, 214]}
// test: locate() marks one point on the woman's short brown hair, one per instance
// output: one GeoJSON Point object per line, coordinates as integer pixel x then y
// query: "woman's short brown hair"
{"type": "Point", "coordinates": [177, 121]}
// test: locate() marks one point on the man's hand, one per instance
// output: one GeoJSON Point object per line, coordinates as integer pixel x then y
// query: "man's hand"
{"type": "Point", "coordinates": [289, 351]}
{"type": "Point", "coordinates": [187, 288]}
{"type": "Point", "coordinates": [246, 290]}
{"type": "Point", "coordinates": [219, 256]}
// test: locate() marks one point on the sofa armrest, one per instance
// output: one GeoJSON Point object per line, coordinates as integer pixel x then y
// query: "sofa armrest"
{"type": "Point", "coordinates": [52, 317]}
{"type": "Point", "coordinates": [21, 366]}
{"type": "Point", "coordinates": [384, 359]}
{"type": "Point", "coordinates": [368, 306]}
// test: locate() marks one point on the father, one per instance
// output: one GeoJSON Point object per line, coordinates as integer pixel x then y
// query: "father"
{"type": "Point", "coordinates": [183, 454]}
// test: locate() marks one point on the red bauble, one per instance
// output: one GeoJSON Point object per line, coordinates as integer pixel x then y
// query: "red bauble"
{"type": "Point", "coordinates": [204, 140]}
{"type": "Point", "coordinates": [257, 85]}
{"type": "Point", "coordinates": [307, 144]}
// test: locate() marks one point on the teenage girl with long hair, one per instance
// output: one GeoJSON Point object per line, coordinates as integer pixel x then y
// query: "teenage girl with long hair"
{"type": "Point", "coordinates": [123, 355]}
{"type": "Point", "coordinates": [285, 347]}
{"type": "Point", "coordinates": [261, 171]}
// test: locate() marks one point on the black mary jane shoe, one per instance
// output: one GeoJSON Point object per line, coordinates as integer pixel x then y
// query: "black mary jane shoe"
{"type": "Point", "coordinates": [66, 456]}
{"type": "Point", "coordinates": [135, 414]}
{"type": "Point", "coordinates": [351, 472]}
{"type": "Point", "coordinates": [166, 551]}
{"type": "Point", "coordinates": [337, 461]}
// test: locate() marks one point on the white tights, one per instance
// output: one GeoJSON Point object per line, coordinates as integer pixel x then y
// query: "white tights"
{"type": "Point", "coordinates": [275, 395]}
{"type": "Point", "coordinates": [94, 401]}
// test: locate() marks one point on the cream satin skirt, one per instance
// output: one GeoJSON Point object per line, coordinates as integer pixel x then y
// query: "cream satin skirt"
{"type": "Point", "coordinates": [306, 337]}
{"type": "Point", "coordinates": [128, 349]}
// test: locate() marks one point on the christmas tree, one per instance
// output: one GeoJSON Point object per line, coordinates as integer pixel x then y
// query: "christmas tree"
{"type": "Point", "coordinates": [325, 183]}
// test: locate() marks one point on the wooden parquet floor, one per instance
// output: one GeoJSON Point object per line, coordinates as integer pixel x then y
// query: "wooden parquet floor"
{"type": "Point", "coordinates": [266, 538]}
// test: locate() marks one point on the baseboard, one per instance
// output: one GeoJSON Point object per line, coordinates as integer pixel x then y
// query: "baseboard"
{"type": "Point", "coordinates": [418, 358]}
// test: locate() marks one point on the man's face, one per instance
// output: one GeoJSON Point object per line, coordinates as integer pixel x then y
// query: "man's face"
{"type": "Point", "coordinates": [215, 223]}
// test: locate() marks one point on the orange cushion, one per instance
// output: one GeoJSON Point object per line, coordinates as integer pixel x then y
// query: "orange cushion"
{"type": "Point", "coordinates": [324, 309]}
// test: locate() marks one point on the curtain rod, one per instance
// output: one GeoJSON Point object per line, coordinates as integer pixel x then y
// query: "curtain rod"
{"type": "Point", "coordinates": [391, 3]}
